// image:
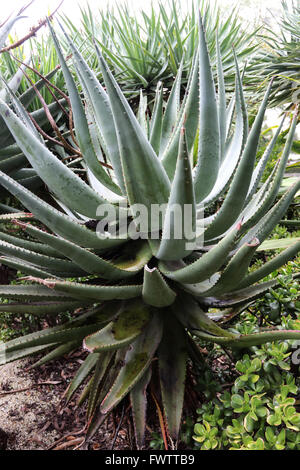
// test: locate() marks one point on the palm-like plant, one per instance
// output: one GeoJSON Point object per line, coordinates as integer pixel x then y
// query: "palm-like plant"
{"type": "Point", "coordinates": [144, 298]}
{"type": "Point", "coordinates": [142, 50]}
{"type": "Point", "coordinates": [42, 56]}
{"type": "Point", "coordinates": [281, 57]}
{"type": "Point", "coordinates": [43, 63]}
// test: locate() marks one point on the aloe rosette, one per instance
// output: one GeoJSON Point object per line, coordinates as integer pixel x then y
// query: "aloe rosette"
{"type": "Point", "coordinates": [137, 300]}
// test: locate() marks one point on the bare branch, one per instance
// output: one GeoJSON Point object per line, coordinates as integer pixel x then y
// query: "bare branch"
{"type": "Point", "coordinates": [32, 31]}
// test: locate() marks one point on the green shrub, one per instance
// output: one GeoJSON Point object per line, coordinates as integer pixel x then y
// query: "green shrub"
{"type": "Point", "coordinates": [259, 411]}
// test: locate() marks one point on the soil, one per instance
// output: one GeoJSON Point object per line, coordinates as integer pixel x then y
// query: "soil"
{"type": "Point", "coordinates": [33, 415]}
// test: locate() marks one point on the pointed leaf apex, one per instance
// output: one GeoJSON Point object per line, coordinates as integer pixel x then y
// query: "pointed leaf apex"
{"type": "Point", "coordinates": [201, 21]}
{"type": "Point", "coordinates": [239, 225]}
{"type": "Point", "coordinates": [150, 270]}
{"type": "Point", "coordinates": [50, 283]}
{"type": "Point", "coordinates": [85, 347]}
{"type": "Point", "coordinates": [255, 242]}
{"type": "Point", "coordinates": [21, 224]}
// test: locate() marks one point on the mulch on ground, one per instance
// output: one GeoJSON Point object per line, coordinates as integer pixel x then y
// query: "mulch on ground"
{"type": "Point", "coordinates": [33, 415]}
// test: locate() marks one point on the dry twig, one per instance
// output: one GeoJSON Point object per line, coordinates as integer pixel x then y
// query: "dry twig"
{"type": "Point", "coordinates": [32, 31]}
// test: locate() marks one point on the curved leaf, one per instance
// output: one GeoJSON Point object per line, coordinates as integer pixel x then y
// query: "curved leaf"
{"type": "Point", "coordinates": [136, 362]}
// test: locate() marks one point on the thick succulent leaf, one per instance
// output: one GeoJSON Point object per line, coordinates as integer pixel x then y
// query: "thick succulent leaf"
{"type": "Point", "coordinates": [30, 94]}
{"type": "Point", "coordinates": [58, 352]}
{"type": "Point", "coordinates": [60, 179]}
{"type": "Point", "coordinates": [234, 147]}
{"type": "Point", "coordinates": [98, 98]}
{"type": "Point", "coordinates": [5, 29]}
{"type": "Point", "coordinates": [260, 167]}
{"type": "Point", "coordinates": [92, 292]}
{"type": "Point", "coordinates": [221, 101]}
{"type": "Point", "coordinates": [49, 336]}
{"type": "Point", "coordinates": [138, 400]}
{"type": "Point", "coordinates": [41, 308]}
{"type": "Point", "coordinates": [86, 367]}
{"type": "Point", "coordinates": [286, 222]}
{"type": "Point", "coordinates": [81, 124]}
{"type": "Point", "coordinates": [255, 339]}
{"type": "Point", "coordinates": [190, 112]}
{"type": "Point", "coordinates": [26, 268]}
{"type": "Point", "coordinates": [5, 358]}
{"type": "Point", "coordinates": [28, 292]}
{"type": "Point", "coordinates": [41, 248]}
{"type": "Point", "coordinates": [23, 173]}
{"type": "Point", "coordinates": [201, 288]}
{"type": "Point", "coordinates": [20, 111]}
{"type": "Point", "coordinates": [194, 352]}
{"type": "Point", "coordinates": [239, 296]}
{"type": "Point", "coordinates": [134, 256]}
{"type": "Point", "coordinates": [176, 237]}
{"type": "Point", "coordinates": [223, 316]}
{"type": "Point", "coordinates": [260, 204]}
{"type": "Point", "coordinates": [172, 359]}
{"type": "Point", "coordinates": [56, 220]}
{"type": "Point", "coordinates": [156, 120]}
{"type": "Point", "coordinates": [5, 209]}
{"type": "Point", "coordinates": [188, 118]}
{"type": "Point", "coordinates": [40, 116]}
{"type": "Point", "coordinates": [208, 163]}
{"type": "Point", "coordinates": [38, 260]}
{"type": "Point", "coordinates": [239, 79]}
{"type": "Point", "coordinates": [10, 151]}
{"type": "Point", "coordinates": [268, 222]}
{"type": "Point", "coordinates": [229, 117]}
{"type": "Point", "coordinates": [235, 270]}
{"type": "Point", "coordinates": [85, 393]}
{"type": "Point", "coordinates": [142, 110]}
{"type": "Point", "coordinates": [11, 215]}
{"type": "Point", "coordinates": [104, 191]}
{"type": "Point", "coordinates": [34, 183]}
{"type": "Point", "coordinates": [205, 266]}
{"type": "Point", "coordinates": [272, 265]}
{"type": "Point", "coordinates": [277, 244]}
{"type": "Point", "coordinates": [94, 390]}
{"type": "Point", "coordinates": [136, 362]}
{"type": "Point", "coordinates": [236, 196]}
{"type": "Point", "coordinates": [110, 375]}
{"type": "Point", "coordinates": [12, 163]}
{"type": "Point", "coordinates": [106, 312]}
{"type": "Point", "coordinates": [156, 291]}
{"type": "Point", "coordinates": [192, 317]}
{"type": "Point", "coordinates": [171, 111]}
{"type": "Point", "coordinates": [137, 155]}
{"type": "Point", "coordinates": [87, 261]}
{"type": "Point", "coordinates": [287, 183]}
{"type": "Point", "coordinates": [130, 323]}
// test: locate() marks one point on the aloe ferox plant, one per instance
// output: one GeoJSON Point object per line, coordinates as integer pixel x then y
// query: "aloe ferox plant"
{"type": "Point", "coordinates": [146, 298]}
